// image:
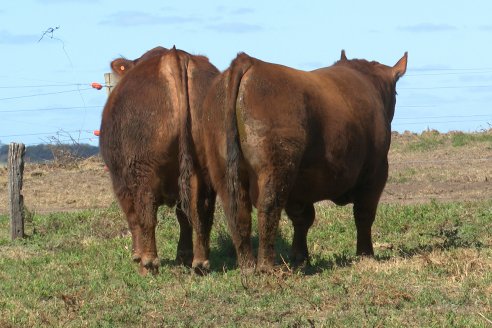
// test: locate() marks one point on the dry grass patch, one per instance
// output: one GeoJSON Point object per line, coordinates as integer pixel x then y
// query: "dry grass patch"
{"type": "Point", "coordinates": [19, 252]}
{"type": "Point", "coordinates": [453, 166]}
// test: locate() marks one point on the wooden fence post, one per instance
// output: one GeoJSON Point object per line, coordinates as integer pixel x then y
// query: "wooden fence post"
{"type": "Point", "coordinates": [110, 80]}
{"type": "Point", "coordinates": [16, 200]}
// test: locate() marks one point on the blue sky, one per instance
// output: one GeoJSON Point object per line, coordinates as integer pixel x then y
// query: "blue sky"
{"type": "Point", "coordinates": [45, 84]}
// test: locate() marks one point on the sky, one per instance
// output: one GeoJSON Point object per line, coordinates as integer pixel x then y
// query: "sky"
{"type": "Point", "coordinates": [52, 50]}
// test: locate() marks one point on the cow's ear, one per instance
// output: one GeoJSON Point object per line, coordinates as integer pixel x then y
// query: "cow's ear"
{"type": "Point", "coordinates": [401, 67]}
{"type": "Point", "coordinates": [121, 65]}
{"type": "Point", "coordinates": [343, 57]}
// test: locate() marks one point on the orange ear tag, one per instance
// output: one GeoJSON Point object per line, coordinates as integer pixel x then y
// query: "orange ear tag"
{"type": "Point", "coordinates": [122, 67]}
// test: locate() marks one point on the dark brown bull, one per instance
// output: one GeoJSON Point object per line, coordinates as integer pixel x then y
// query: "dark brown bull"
{"type": "Point", "coordinates": [293, 138]}
{"type": "Point", "coordinates": [147, 143]}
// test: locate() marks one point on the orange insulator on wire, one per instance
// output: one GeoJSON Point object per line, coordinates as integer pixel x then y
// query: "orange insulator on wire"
{"type": "Point", "coordinates": [96, 85]}
{"type": "Point", "coordinates": [97, 133]}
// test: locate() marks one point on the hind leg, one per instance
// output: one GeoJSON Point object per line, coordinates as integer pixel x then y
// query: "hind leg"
{"type": "Point", "coordinates": [127, 205]}
{"type": "Point", "coordinates": [146, 206]}
{"type": "Point", "coordinates": [268, 219]}
{"type": "Point", "coordinates": [184, 253]}
{"type": "Point", "coordinates": [239, 225]}
{"type": "Point", "coordinates": [364, 214]}
{"type": "Point", "coordinates": [365, 206]}
{"type": "Point", "coordinates": [302, 217]}
{"type": "Point", "coordinates": [202, 208]}
{"type": "Point", "coordinates": [271, 199]}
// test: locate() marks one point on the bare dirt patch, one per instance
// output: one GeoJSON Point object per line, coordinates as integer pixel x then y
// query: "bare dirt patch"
{"type": "Point", "coordinates": [423, 167]}
{"type": "Point", "coordinates": [434, 166]}
{"type": "Point", "coordinates": [48, 188]}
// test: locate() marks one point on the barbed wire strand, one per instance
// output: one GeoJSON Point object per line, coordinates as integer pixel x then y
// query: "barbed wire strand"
{"type": "Point", "coordinates": [43, 86]}
{"type": "Point", "coordinates": [44, 133]}
{"type": "Point", "coordinates": [45, 94]}
{"type": "Point", "coordinates": [47, 109]}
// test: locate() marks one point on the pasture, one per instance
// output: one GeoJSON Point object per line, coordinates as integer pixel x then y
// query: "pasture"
{"type": "Point", "coordinates": [432, 235]}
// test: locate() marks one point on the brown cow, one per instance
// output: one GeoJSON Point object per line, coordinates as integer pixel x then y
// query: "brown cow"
{"type": "Point", "coordinates": [287, 139]}
{"type": "Point", "coordinates": [147, 143]}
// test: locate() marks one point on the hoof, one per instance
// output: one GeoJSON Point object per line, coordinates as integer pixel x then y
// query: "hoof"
{"type": "Point", "coordinates": [369, 253]}
{"type": "Point", "coordinates": [201, 267]}
{"type": "Point", "coordinates": [248, 271]}
{"type": "Point", "coordinates": [136, 258]}
{"type": "Point", "coordinates": [149, 265]}
{"type": "Point", "coordinates": [265, 264]}
{"type": "Point", "coordinates": [299, 260]}
{"type": "Point", "coordinates": [144, 271]}
{"type": "Point", "coordinates": [184, 258]}
{"type": "Point", "coordinates": [247, 263]}
{"type": "Point", "coordinates": [264, 268]}
{"type": "Point", "coordinates": [366, 250]}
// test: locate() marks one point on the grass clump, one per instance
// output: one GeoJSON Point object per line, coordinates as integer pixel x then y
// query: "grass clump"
{"type": "Point", "coordinates": [428, 140]}
{"type": "Point", "coordinates": [460, 139]}
{"type": "Point", "coordinates": [432, 139]}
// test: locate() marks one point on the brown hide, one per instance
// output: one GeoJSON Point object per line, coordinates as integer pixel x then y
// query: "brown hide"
{"type": "Point", "coordinates": [147, 143]}
{"type": "Point", "coordinates": [121, 66]}
{"type": "Point", "coordinates": [288, 138]}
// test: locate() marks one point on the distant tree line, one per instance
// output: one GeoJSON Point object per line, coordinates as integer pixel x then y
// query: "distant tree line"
{"type": "Point", "coordinates": [47, 152]}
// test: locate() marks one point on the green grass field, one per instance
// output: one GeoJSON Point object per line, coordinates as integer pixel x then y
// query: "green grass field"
{"type": "Point", "coordinates": [433, 268]}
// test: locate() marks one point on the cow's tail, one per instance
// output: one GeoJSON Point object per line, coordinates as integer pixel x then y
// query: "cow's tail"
{"type": "Point", "coordinates": [238, 68]}
{"type": "Point", "coordinates": [185, 152]}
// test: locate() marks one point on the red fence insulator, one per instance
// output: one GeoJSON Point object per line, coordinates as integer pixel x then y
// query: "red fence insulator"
{"type": "Point", "coordinates": [97, 133]}
{"type": "Point", "coordinates": [96, 85]}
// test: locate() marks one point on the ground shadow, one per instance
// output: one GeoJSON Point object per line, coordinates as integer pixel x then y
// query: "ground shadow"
{"type": "Point", "coordinates": [223, 256]}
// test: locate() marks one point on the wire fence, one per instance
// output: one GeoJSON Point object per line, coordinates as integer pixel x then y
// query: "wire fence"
{"type": "Point", "coordinates": [399, 121]}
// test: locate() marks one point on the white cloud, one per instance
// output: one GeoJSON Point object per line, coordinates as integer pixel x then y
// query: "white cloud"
{"type": "Point", "coordinates": [235, 27]}
{"type": "Point", "coordinates": [133, 18]}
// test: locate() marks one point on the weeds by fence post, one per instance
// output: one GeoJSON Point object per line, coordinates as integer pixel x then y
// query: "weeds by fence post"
{"type": "Point", "coordinates": [16, 200]}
